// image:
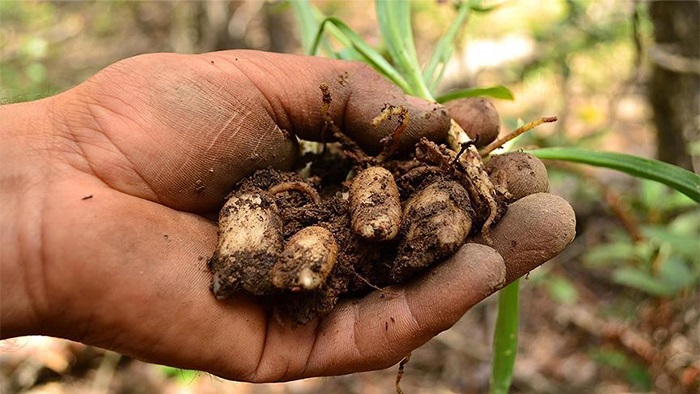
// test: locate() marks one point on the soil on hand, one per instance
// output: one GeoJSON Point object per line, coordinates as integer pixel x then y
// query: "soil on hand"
{"type": "Point", "coordinates": [349, 223]}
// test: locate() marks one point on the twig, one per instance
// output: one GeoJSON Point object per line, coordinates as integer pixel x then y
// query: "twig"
{"type": "Point", "coordinates": [520, 130]}
{"type": "Point", "coordinates": [611, 330]}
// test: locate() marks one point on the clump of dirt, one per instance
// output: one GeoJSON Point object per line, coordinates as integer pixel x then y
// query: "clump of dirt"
{"type": "Point", "coordinates": [351, 223]}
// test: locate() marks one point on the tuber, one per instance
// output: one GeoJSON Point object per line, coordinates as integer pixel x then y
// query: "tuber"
{"type": "Point", "coordinates": [306, 261]}
{"type": "Point", "coordinates": [436, 222]}
{"type": "Point", "coordinates": [250, 231]}
{"type": "Point", "coordinates": [375, 207]}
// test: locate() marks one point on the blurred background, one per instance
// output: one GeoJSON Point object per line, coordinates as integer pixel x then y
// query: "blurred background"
{"type": "Point", "coordinates": [617, 312]}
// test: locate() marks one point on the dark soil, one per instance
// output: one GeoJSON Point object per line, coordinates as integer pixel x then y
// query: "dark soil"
{"type": "Point", "coordinates": [433, 227]}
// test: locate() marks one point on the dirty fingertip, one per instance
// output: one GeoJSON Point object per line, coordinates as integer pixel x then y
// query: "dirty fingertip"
{"type": "Point", "coordinates": [535, 229]}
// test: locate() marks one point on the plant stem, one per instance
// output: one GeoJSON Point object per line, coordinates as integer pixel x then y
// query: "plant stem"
{"type": "Point", "coordinates": [505, 340]}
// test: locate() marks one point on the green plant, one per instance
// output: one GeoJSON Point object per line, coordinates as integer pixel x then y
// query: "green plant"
{"type": "Point", "coordinates": [404, 69]}
{"type": "Point", "coordinates": [663, 259]}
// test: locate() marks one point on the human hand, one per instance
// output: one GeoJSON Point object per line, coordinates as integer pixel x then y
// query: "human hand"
{"type": "Point", "coordinates": [104, 242]}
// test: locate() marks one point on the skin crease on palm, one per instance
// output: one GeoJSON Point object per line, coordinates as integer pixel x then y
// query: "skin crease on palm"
{"type": "Point", "coordinates": [105, 189]}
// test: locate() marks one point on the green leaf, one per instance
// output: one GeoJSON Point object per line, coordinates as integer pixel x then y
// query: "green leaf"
{"type": "Point", "coordinates": [562, 290]}
{"type": "Point", "coordinates": [635, 373]}
{"type": "Point", "coordinates": [687, 223]}
{"type": "Point", "coordinates": [306, 22]}
{"type": "Point", "coordinates": [641, 280]}
{"type": "Point", "coordinates": [684, 244]}
{"type": "Point", "coordinates": [682, 180]}
{"type": "Point", "coordinates": [183, 376]}
{"type": "Point", "coordinates": [505, 340]}
{"type": "Point", "coordinates": [371, 56]}
{"type": "Point", "coordinates": [499, 92]}
{"type": "Point", "coordinates": [445, 46]}
{"type": "Point", "coordinates": [657, 197]}
{"type": "Point", "coordinates": [611, 254]}
{"type": "Point", "coordinates": [676, 274]}
{"type": "Point", "coordinates": [350, 54]}
{"type": "Point", "coordinates": [308, 18]}
{"type": "Point", "coordinates": [484, 6]}
{"type": "Point", "coordinates": [394, 18]}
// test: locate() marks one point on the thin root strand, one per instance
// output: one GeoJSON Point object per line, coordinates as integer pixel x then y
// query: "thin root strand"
{"type": "Point", "coordinates": [301, 187]}
{"type": "Point", "coordinates": [399, 374]}
{"type": "Point", "coordinates": [352, 150]}
{"type": "Point", "coordinates": [520, 130]}
{"type": "Point", "coordinates": [391, 143]}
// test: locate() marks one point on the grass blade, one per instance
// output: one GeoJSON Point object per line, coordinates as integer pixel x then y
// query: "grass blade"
{"type": "Point", "coordinates": [505, 340]}
{"type": "Point", "coordinates": [306, 23]}
{"type": "Point", "coordinates": [499, 92]}
{"type": "Point", "coordinates": [682, 180]}
{"type": "Point", "coordinates": [394, 18]}
{"type": "Point", "coordinates": [478, 6]}
{"type": "Point", "coordinates": [371, 56]}
{"type": "Point", "coordinates": [445, 46]}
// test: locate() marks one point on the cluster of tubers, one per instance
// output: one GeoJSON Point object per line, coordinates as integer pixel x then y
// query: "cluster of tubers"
{"type": "Point", "coordinates": [302, 242]}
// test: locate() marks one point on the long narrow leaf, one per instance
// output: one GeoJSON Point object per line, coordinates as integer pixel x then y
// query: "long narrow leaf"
{"type": "Point", "coordinates": [307, 24]}
{"type": "Point", "coordinates": [499, 92]}
{"type": "Point", "coordinates": [394, 18]}
{"type": "Point", "coordinates": [372, 56]}
{"type": "Point", "coordinates": [445, 46]}
{"type": "Point", "coordinates": [440, 72]}
{"type": "Point", "coordinates": [478, 6]}
{"type": "Point", "coordinates": [332, 30]}
{"type": "Point", "coordinates": [682, 180]}
{"type": "Point", "coordinates": [505, 340]}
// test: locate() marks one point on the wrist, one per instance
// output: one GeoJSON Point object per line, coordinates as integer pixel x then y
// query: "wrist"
{"type": "Point", "coordinates": [25, 131]}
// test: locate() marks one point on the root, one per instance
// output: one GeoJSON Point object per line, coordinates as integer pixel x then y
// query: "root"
{"type": "Point", "coordinates": [301, 187]}
{"type": "Point", "coordinates": [391, 143]}
{"type": "Point", "coordinates": [520, 130]}
{"type": "Point", "coordinates": [350, 147]}
{"type": "Point", "coordinates": [399, 374]}
{"type": "Point", "coordinates": [418, 176]}
{"type": "Point", "coordinates": [370, 284]}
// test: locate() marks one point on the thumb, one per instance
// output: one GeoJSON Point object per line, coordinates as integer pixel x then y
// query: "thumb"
{"type": "Point", "coordinates": [291, 85]}
{"type": "Point", "coordinates": [402, 318]}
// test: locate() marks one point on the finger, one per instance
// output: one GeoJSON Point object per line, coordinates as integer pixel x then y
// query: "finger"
{"type": "Point", "coordinates": [534, 229]}
{"type": "Point", "coordinates": [378, 330]}
{"type": "Point", "coordinates": [181, 130]}
{"type": "Point", "coordinates": [291, 85]}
